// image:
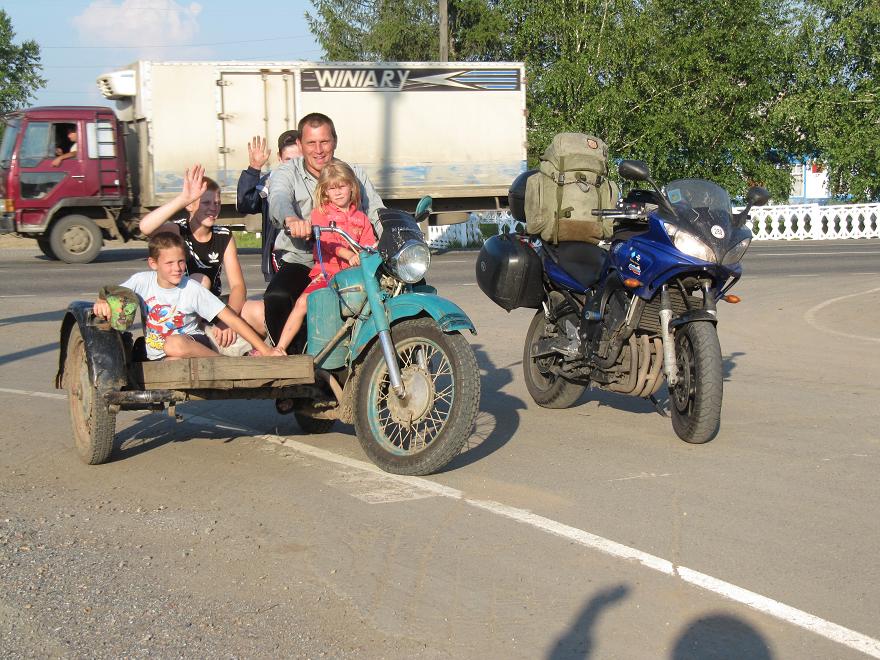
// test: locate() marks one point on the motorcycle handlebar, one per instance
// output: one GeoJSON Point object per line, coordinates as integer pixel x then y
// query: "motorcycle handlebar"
{"type": "Point", "coordinates": [316, 232]}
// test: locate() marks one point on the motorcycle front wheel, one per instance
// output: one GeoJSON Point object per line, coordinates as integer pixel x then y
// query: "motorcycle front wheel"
{"type": "Point", "coordinates": [695, 400]}
{"type": "Point", "coordinates": [420, 433]}
{"type": "Point", "coordinates": [546, 387]}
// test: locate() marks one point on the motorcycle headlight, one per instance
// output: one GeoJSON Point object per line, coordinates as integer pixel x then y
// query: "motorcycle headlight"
{"type": "Point", "coordinates": [736, 253]}
{"type": "Point", "coordinates": [411, 262]}
{"type": "Point", "coordinates": [689, 244]}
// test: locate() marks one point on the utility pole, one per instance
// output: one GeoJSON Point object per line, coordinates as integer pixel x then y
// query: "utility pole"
{"type": "Point", "coordinates": [444, 31]}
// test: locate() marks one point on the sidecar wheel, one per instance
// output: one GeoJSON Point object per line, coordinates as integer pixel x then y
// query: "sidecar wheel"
{"type": "Point", "coordinates": [545, 387]}
{"type": "Point", "coordinates": [94, 426]}
{"type": "Point", "coordinates": [423, 432]}
{"type": "Point", "coordinates": [695, 401]}
{"type": "Point", "coordinates": [314, 425]}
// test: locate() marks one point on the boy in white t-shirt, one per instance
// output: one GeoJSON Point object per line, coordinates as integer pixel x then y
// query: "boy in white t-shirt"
{"type": "Point", "coordinates": [172, 304]}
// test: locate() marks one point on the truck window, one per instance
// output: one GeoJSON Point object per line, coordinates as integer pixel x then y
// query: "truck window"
{"type": "Point", "coordinates": [101, 139]}
{"type": "Point", "coordinates": [8, 144]}
{"type": "Point", "coordinates": [36, 185]}
{"type": "Point", "coordinates": [37, 145]}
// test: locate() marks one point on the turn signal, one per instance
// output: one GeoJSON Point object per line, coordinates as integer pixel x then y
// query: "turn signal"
{"type": "Point", "coordinates": [631, 283]}
{"type": "Point", "coordinates": [8, 205]}
{"type": "Point", "coordinates": [732, 299]}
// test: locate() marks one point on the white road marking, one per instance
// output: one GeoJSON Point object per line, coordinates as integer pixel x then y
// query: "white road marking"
{"type": "Point", "coordinates": [810, 316]}
{"type": "Point", "coordinates": [805, 620]}
{"type": "Point", "coordinates": [643, 475]}
{"type": "Point", "coordinates": [23, 295]}
{"type": "Point", "coordinates": [805, 275]}
{"type": "Point", "coordinates": [43, 395]}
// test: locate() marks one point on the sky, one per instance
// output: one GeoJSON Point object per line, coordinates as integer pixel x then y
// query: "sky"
{"type": "Point", "coordinates": [82, 39]}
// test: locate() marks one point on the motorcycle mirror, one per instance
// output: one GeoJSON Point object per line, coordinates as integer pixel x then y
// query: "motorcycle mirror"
{"type": "Point", "coordinates": [757, 196]}
{"type": "Point", "coordinates": [634, 170]}
{"type": "Point", "coordinates": [423, 208]}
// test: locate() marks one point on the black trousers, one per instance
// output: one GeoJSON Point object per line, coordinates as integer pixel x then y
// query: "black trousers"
{"type": "Point", "coordinates": [286, 286]}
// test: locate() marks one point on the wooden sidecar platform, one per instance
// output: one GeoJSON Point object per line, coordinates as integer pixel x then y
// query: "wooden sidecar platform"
{"type": "Point", "coordinates": [223, 373]}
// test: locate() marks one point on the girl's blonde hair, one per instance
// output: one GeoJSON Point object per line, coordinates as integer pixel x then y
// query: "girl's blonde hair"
{"type": "Point", "coordinates": [336, 172]}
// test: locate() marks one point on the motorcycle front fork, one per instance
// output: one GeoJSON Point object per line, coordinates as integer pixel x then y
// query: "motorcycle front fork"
{"type": "Point", "coordinates": [670, 366]}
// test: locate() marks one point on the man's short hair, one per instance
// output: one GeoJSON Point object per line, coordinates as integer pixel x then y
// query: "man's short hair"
{"type": "Point", "coordinates": [316, 120]}
{"type": "Point", "coordinates": [162, 241]}
{"type": "Point", "coordinates": [287, 139]}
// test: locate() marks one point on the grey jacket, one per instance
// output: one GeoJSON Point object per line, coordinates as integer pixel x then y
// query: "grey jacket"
{"type": "Point", "coordinates": [291, 191]}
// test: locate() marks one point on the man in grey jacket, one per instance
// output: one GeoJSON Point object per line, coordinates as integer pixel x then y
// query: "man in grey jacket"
{"type": "Point", "coordinates": [291, 190]}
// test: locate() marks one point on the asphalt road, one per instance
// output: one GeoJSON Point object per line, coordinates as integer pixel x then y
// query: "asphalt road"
{"type": "Point", "coordinates": [590, 532]}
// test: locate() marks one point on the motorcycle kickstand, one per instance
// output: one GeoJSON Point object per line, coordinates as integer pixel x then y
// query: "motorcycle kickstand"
{"type": "Point", "coordinates": [658, 406]}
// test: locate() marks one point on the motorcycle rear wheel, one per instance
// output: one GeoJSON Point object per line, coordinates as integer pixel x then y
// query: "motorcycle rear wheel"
{"type": "Point", "coordinates": [548, 389]}
{"type": "Point", "coordinates": [695, 401]}
{"type": "Point", "coordinates": [421, 433]}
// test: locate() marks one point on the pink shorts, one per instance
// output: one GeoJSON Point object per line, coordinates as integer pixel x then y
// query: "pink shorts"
{"type": "Point", "coordinates": [318, 283]}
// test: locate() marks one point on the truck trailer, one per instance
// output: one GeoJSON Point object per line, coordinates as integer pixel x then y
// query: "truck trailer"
{"type": "Point", "coordinates": [455, 131]}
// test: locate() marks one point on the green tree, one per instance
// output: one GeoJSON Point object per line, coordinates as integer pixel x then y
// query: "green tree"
{"type": "Point", "coordinates": [405, 30]}
{"type": "Point", "coordinates": [693, 88]}
{"type": "Point", "coordinates": [838, 105]}
{"type": "Point", "coordinates": [19, 68]}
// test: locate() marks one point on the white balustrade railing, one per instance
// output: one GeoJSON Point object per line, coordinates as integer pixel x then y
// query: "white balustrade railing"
{"type": "Point", "coordinates": [773, 223]}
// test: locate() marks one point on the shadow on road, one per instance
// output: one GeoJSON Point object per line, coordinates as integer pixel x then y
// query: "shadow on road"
{"type": "Point", "coordinates": [39, 317]}
{"type": "Point", "coordinates": [578, 642]}
{"type": "Point", "coordinates": [728, 364]}
{"type": "Point", "coordinates": [721, 637]}
{"type": "Point", "coordinates": [155, 429]}
{"type": "Point", "coordinates": [28, 352]}
{"type": "Point", "coordinates": [498, 416]}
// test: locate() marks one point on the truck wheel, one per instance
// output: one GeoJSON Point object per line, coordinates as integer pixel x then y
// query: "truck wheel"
{"type": "Point", "coordinates": [421, 433]}
{"type": "Point", "coordinates": [93, 424]}
{"type": "Point", "coordinates": [46, 248]}
{"type": "Point", "coordinates": [75, 239]}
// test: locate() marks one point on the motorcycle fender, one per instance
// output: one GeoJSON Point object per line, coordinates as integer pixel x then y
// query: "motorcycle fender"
{"type": "Point", "coordinates": [105, 352]}
{"type": "Point", "coordinates": [694, 315]}
{"type": "Point", "coordinates": [449, 316]}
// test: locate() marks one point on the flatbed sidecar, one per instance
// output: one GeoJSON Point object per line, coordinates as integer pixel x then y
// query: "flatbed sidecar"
{"type": "Point", "coordinates": [97, 369]}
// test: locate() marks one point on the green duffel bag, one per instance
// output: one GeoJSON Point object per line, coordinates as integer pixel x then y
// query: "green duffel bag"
{"type": "Point", "coordinates": [572, 181]}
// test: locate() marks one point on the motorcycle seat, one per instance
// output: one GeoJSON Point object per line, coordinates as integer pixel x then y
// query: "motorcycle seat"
{"type": "Point", "coordinates": [583, 261]}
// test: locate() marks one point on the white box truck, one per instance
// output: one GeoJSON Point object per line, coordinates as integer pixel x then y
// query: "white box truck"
{"type": "Point", "coordinates": [455, 131]}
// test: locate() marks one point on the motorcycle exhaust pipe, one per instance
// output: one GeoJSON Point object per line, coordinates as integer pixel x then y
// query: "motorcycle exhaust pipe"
{"type": "Point", "coordinates": [670, 368]}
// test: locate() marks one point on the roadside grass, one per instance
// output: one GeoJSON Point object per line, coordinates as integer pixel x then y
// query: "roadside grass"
{"type": "Point", "coordinates": [248, 239]}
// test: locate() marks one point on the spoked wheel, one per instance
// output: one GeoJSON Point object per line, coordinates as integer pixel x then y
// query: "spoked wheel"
{"type": "Point", "coordinates": [546, 387]}
{"type": "Point", "coordinates": [696, 398]}
{"type": "Point", "coordinates": [426, 429]}
{"type": "Point", "coordinates": [93, 424]}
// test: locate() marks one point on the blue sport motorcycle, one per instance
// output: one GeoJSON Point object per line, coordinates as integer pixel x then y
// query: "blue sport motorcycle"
{"type": "Point", "coordinates": [639, 314]}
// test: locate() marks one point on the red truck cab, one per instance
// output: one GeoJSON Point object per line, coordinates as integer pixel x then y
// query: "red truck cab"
{"type": "Point", "coordinates": [68, 205]}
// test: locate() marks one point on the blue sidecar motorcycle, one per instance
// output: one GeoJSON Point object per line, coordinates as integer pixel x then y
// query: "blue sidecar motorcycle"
{"type": "Point", "coordinates": [383, 353]}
